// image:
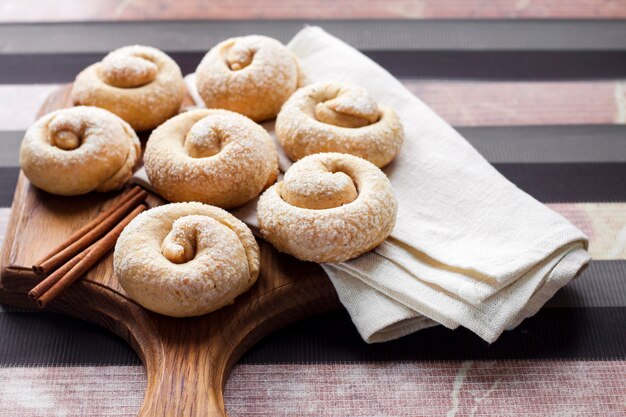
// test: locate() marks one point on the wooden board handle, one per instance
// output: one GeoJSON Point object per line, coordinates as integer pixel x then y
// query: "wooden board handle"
{"type": "Point", "coordinates": [188, 361]}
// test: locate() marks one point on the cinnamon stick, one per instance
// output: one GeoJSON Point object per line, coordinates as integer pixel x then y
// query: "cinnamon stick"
{"type": "Point", "coordinates": [57, 284]}
{"type": "Point", "coordinates": [53, 278]}
{"type": "Point", "coordinates": [86, 228]}
{"type": "Point", "coordinates": [95, 230]}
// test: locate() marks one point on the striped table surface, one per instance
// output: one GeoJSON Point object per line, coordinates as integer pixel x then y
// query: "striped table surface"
{"type": "Point", "coordinates": [543, 101]}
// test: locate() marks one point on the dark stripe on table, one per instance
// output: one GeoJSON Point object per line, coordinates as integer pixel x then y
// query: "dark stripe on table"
{"type": "Point", "coordinates": [548, 183]}
{"type": "Point", "coordinates": [554, 333]}
{"type": "Point", "coordinates": [498, 144]}
{"type": "Point", "coordinates": [602, 284]}
{"type": "Point", "coordinates": [8, 181]}
{"type": "Point", "coordinates": [549, 144]}
{"type": "Point", "coordinates": [52, 339]}
{"type": "Point", "coordinates": [512, 65]}
{"type": "Point", "coordinates": [552, 163]}
{"type": "Point", "coordinates": [569, 182]}
{"type": "Point", "coordinates": [442, 35]}
{"type": "Point", "coordinates": [588, 310]}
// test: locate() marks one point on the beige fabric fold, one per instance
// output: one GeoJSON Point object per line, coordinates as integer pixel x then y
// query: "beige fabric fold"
{"type": "Point", "coordinates": [469, 248]}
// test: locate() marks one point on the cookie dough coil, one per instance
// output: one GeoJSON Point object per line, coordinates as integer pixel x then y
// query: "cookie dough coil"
{"type": "Point", "coordinates": [213, 156]}
{"type": "Point", "coordinates": [252, 75]}
{"type": "Point", "coordinates": [186, 259]}
{"type": "Point", "coordinates": [80, 149]}
{"type": "Point", "coordinates": [330, 207]}
{"type": "Point", "coordinates": [333, 117]}
{"type": "Point", "coordinates": [141, 84]}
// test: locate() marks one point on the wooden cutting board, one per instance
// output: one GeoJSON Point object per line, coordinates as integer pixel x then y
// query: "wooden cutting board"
{"type": "Point", "coordinates": [187, 360]}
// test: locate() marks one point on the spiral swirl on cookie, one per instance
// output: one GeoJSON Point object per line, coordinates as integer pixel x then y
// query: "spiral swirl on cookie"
{"type": "Point", "coordinates": [186, 259]}
{"type": "Point", "coordinates": [80, 149]}
{"type": "Point", "coordinates": [251, 75]}
{"type": "Point", "coordinates": [330, 207]}
{"type": "Point", "coordinates": [213, 156]}
{"type": "Point", "coordinates": [331, 117]}
{"type": "Point", "coordinates": [140, 84]}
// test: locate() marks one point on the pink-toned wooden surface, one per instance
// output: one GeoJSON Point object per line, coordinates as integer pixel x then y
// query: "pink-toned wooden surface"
{"type": "Point", "coordinates": [44, 10]}
{"type": "Point", "coordinates": [453, 388]}
{"type": "Point", "coordinates": [488, 103]}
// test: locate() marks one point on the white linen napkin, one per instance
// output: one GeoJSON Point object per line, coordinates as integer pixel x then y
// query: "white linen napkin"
{"type": "Point", "coordinates": [469, 248]}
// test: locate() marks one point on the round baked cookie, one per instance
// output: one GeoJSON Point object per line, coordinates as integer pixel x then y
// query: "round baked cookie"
{"type": "Point", "coordinates": [80, 149]}
{"type": "Point", "coordinates": [252, 75]}
{"type": "Point", "coordinates": [186, 259]}
{"type": "Point", "coordinates": [332, 117]}
{"type": "Point", "coordinates": [213, 156]}
{"type": "Point", "coordinates": [330, 207]}
{"type": "Point", "coordinates": [140, 84]}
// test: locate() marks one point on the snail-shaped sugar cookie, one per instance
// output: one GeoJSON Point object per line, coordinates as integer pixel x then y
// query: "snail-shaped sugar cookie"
{"type": "Point", "coordinates": [213, 156]}
{"type": "Point", "coordinates": [80, 149]}
{"type": "Point", "coordinates": [330, 207]}
{"type": "Point", "coordinates": [140, 84]}
{"type": "Point", "coordinates": [186, 259]}
{"type": "Point", "coordinates": [251, 75]}
{"type": "Point", "coordinates": [331, 117]}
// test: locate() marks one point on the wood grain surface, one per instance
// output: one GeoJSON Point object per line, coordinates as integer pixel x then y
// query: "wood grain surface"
{"type": "Point", "coordinates": [187, 360]}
